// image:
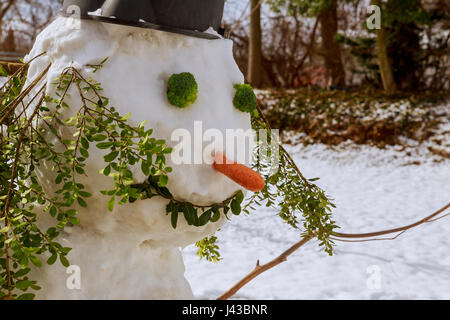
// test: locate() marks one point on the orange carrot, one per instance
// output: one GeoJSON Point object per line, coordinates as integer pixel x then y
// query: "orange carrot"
{"type": "Point", "coordinates": [239, 173]}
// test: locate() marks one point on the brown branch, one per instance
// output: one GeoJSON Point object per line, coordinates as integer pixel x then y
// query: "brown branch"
{"type": "Point", "coordinates": [10, 108]}
{"type": "Point", "coordinates": [262, 268]}
{"type": "Point", "coordinates": [5, 9]}
{"type": "Point", "coordinates": [390, 231]}
{"type": "Point", "coordinates": [283, 257]}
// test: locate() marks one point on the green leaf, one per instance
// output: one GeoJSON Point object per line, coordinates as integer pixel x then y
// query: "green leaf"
{"type": "Point", "coordinates": [5, 229]}
{"type": "Point", "coordinates": [174, 219]}
{"type": "Point", "coordinates": [26, 296]}
{"type": "Point", "coordinates": [3, 72]}
{"type": "Point", "coordinates": [235, 207]}
{"type": "Point", "coordinates": [110, 157]}
{"type": "Point", "coordinates": [107, 171]}
{"type": "Point", "coordinates": [204, 218]}
{"type": "Point", "coordinates": [79, 170]}
{"type": "Point", "coordinates": [53, 211]}
{"type": "Point", "coordinates": [190, 213]}
{"type": "Point", "coordinates": [85, 194]}
{"type": "Point", "coordinates": [84, 143]}
{"type": "Point", "coordinates": [23, 284]}
{"type": "Point", "coordinates": [126, 117]}
{"type": "Point", "coordinates": [145, 167]}
{"type": "Point", "coordinates": [111, 203]}
{"type": "Point", "coordinates": [71, 212]}
{"type": "Point", "coordinates": [99, 137]}
{"type": "Point", "coordinates": [163, 180]}
{"type": "Point", "coordinates": [74, 220]}
{"type": "Point", "coordinates": [36, 261]}
{"type": "Point", "coordinates": [104, 145]}
{"type": "Point", "coordinates": [21, 273]}
{"type": "Point", "coordinates": [84, 152]}
{"type": "Point", "coordinates": [239, 197]}
{"type": "Point", "coordinates": [52, 259]}
{"type": "Point", "coordinates": [64, 261]}
{"type": "Point", "coordinates": [81, 202]}
{"type": "Point", "coordinates": [216, 215]}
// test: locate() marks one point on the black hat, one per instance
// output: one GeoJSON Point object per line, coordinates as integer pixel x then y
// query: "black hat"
{"type": "Point", "coordinates": [188, 17]}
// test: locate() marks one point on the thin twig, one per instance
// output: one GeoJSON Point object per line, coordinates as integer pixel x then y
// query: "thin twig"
{"type": "Point", "coordinates": [24, 93]}
{"type": "Point", "coordinates": [283, 257]}
{"type": "Point", "coordinates": [262, 268]}
{"type": "Point", "coordinates": [390, 231]}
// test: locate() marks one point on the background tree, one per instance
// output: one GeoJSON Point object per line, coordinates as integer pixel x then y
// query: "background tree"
{"type": "Point", "coordinates": [384, 63]}
{"type": "Point", "coordinates": [26, 18]}
{"type": "Point", "coordinates": [330, 47]}
{"type": "Point", "coordinates": [254, 75]}
{"type": "Point", "coordinates": [326, 12]}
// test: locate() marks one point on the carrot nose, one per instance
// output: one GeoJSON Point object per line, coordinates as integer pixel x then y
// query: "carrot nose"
{"type": "Point", "coordinates": [242, 175]}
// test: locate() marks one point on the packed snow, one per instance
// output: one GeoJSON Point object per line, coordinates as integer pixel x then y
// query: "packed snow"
{"type": "Point", "coordinates": [373, 189]}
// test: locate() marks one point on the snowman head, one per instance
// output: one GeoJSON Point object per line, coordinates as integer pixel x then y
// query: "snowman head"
{"type": "Point", "coordinates": [136, 80]}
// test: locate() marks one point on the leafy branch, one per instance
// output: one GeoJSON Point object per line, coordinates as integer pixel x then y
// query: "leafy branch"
{"type": "Point", "coordinates": [300, 203]}
{"type": "Point", "coordinates": [29, 139]}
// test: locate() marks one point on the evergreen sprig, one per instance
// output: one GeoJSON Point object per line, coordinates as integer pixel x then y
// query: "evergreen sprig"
{"type": "Point", "coordinates": [299, 202]}
{"type": "Point", "coordinates": [32, 127]}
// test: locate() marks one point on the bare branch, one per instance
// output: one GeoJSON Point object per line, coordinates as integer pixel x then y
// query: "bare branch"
{"type": "Point", "coordinates": [262, 268]}
{"type": "Point", "coordinates": [283, 257]}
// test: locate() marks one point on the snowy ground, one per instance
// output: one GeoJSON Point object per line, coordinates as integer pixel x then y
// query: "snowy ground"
{"type": "Point", "coordinates": [373, 189]}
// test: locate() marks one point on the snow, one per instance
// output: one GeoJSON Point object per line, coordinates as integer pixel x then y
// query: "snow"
{"type": "Point", "coordinates": [97, 12]}
{"type": "Point", "coordinates": [373, 189]}
{"type": "Point", "coordinates": [3, 81]}
{"type": "Point", "coordinates": [133, 252]}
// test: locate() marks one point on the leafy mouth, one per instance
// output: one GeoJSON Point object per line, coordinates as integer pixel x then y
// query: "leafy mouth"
{"type": "Point", "coordinates": [195, 215]}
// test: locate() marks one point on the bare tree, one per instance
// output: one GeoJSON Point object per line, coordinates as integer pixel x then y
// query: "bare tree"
{"type": "Point", "coordinates": [27, 18]}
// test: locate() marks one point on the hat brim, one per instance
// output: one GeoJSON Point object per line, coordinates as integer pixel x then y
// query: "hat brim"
{"type": "Point", "coordinates": [146, 25]}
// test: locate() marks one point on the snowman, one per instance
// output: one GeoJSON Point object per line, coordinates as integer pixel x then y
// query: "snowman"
{"type": "Point", "coordinates": [133, 252]}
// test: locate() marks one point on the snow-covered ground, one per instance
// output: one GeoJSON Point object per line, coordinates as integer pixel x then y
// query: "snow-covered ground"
{"type": "Point", "coordinates": [373, 189]}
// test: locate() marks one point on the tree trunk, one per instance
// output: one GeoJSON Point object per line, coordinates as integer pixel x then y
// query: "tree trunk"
{"type": "Point", "coordinates": [9, 44]}
{"type": "Point", "coordinates": [254, 75]}
{"type": "Point", "coordinates": [387, 75]}
{"type": "Point", "coordinates": [332, 51]}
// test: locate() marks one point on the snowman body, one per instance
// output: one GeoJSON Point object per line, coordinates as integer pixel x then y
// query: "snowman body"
{"type": "Point", "coordinates": [133, 252]}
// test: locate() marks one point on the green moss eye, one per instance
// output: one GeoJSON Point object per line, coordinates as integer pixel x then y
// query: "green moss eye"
{"type": "Point", "coordinates": [244, 99]}
{"type": "Point", "coordinates": [182, 89]}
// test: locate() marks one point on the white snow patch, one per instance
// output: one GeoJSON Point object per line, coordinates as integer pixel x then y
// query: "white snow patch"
{"type": "Point", "coordinates": [97, 12]}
